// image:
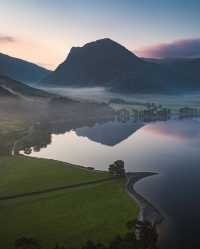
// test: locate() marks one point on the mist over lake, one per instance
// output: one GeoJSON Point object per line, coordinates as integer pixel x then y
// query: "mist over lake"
{"type": "Point", "coordinates": [101, 94]}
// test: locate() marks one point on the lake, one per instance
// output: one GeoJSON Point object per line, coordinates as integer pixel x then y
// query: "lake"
{"type": "Point", "coordinates": [171, 148]}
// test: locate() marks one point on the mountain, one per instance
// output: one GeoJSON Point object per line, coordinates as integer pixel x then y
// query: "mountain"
{"type": "Point", "coordinates": [110, 133]}
{"type": "Point", "coordinates": [107, 63]}
{"type": "Point", "coordinates": [13, 88]}
{"type": "Point", "coordinates": [185, 70]}
{"type": "Point", "coordinates": [21, 70]}
{"type": "Point", "coordinates": [95, 63]}
{"type": "Point", "coordinates": [104, 63]}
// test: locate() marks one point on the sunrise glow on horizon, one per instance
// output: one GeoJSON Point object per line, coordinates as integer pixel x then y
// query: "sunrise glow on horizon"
{"type": "Point", "coordinates": [44, 31]}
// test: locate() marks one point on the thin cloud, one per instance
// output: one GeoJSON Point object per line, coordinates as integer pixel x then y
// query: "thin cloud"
{"type": "Point", "coordinates": [179, 48]}
{"type": "Point", "coordinates": [7, 39]}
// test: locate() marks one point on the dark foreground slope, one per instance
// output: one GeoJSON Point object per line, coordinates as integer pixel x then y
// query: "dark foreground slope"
{"type": "Point", "coordinates": [21, 70]}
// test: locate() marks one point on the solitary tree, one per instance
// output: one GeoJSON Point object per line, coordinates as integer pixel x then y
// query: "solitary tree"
{"type": "Point", "coordinates": [117, 168]}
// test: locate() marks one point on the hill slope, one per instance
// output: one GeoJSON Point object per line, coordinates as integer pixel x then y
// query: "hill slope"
{"type": "Point", "coordinates": [64, 217]}
{"type": "Point", "coordinates": [21, 70]}
{"type": "Point", "coordinates": [13, 88]}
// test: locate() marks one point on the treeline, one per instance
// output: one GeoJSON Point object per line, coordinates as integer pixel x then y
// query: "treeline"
{"type": "Point", "coordinates": [189, 112]}
{"type": "Point", "coordinates": [154, 112]}
{"type": "Point", "coordinates": [140, 235]}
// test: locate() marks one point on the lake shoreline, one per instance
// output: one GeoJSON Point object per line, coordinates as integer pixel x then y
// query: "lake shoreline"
{"type": "Point", "coordinates": [147, 210]}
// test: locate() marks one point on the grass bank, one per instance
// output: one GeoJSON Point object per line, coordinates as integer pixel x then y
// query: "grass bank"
{"type": "Point", "coordinates": [23, 174]}
{"type": "Point", "coordinates": [70, 216]}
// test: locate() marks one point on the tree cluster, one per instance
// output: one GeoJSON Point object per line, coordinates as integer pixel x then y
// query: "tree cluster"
{"type": "Point", "coordinates": [117, 168]}
{"type": "Point", "coordinates": [140, 235]}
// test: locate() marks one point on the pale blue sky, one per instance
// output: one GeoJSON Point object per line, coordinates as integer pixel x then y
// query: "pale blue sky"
{"type": "Point", "coordinates": [45, 30]}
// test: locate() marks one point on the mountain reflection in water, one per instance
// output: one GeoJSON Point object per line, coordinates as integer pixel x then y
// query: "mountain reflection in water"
{"type": "Point", "coordinates": [110, 133]}
{"type": "Point", "coordinates": [170, 148]}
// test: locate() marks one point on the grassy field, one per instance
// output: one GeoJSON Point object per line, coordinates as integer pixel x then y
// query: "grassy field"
{"type": "Point", "coordinates": [71, 216]}
{"type": "Point", "coordinates": [23, 174]}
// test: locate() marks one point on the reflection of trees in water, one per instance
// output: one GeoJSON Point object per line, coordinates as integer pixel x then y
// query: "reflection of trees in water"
{"type": "Point", "coordinates": [63, 119]}
{"type": "Point", "coordinates": [7, 140]}
{"type": "Point", "coordinates": [151, 113]}
{"type": "Point", "coordinates": [46, 118]}
{"type": "Point", "coordinates": [155, 112]}
{"type": "Point", "coordinates": [37, 139]}
{"type": "Point", "coordinates": [39, 135]}
{"type": "Point", "coordinates": [188, 112]}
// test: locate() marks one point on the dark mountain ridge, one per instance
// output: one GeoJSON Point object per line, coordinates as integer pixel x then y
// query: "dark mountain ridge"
{"type": "Point", "coordinates": [107, 63]}
{"type": "Point", "coordinates": [185, 69]}
{"type": "Point", "coordinates": [21, 70]}
{"type": "Point", "coordinates": [95, 63]}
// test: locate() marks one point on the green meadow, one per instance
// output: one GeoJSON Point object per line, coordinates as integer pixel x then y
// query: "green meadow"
{"type": "Point", "coordinates": [71, 216]}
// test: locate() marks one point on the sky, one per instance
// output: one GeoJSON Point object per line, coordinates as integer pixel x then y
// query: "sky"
{"type": "Point", "coordinates": [43, 31]}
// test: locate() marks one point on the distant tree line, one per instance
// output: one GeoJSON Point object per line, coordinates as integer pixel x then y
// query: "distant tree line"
{"type": "Point", "coordinates": [152, 112]}
{"type": "Point", "coordinates": [155, 112]}
{"type": "Point", "coordinates": [188, 112]}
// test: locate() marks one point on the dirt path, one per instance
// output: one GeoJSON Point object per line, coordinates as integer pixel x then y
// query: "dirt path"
{"type": "Point", "coordinates": [49, 190]}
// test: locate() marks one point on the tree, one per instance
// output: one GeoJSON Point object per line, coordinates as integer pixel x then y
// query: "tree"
{"type": "Point", "coordinates": [117, 168]}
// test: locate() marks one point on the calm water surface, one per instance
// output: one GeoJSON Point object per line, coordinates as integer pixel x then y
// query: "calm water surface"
{"type": "Point", "coordinates": [171, 148]}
